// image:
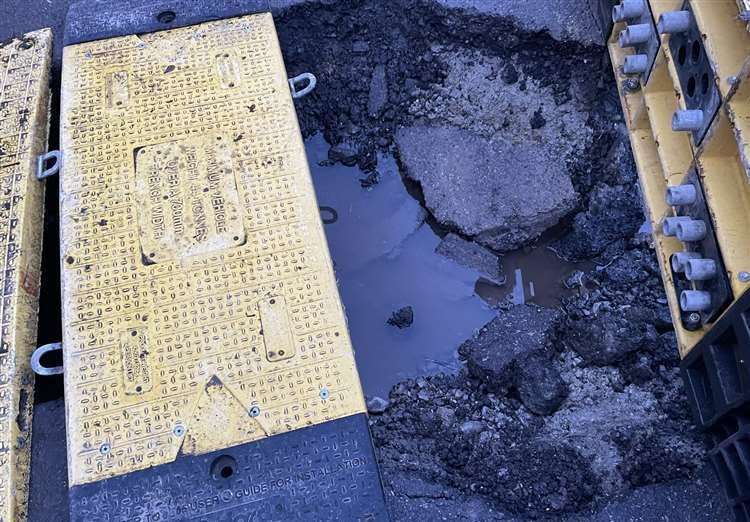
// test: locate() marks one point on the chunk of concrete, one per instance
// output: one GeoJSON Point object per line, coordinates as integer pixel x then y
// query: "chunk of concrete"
{"type": "Point", "coordinates": [500, 193]}
{"type": "Point", "coordinates": [377, 405]}
{"type": "Point", "coordinates": [472, 255]}
{"type": "Point", "coordinates": [586, 21]}
{"type": "Point", "coordinates": [608, 338]}
{"type": "Point", "coordinates": [347, 153]}
{"type": "Point", "coordinates": [402, 318]}
{"type": "Point", "coordinates": [378, 95]}
{"type": "Point", "coordinates": [509, 353]}
{"type": "Point", "coordinates": [472, 427]}
{"type": "Point", "coordinates": [614, 212]}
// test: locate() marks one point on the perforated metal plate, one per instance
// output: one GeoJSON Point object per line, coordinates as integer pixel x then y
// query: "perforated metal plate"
{"type": "Point", "coordinates": [24, 98]}
{"type": "Point", "coordinates": [200, 309]}
{"type": "Point", "coordinates": [696, 76]}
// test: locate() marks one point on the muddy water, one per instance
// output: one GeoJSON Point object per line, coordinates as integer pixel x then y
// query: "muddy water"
{"type": "Point", "coordinates": [383, 253]}
{"type": "Point", "coordinates": [384, 256]}
{"type": "Point", "coordinates": [534, 274]}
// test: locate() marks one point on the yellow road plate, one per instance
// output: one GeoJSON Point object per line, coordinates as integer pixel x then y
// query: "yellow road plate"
{"type": "Point", "coordinates": [200, 308]}
{"type": "Point", "coordinates": [24, 98]}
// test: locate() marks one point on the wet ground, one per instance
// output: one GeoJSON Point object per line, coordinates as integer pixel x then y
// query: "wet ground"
{"type": "Point", "coordinates": [570, 406]}
{"type": "Point", "coordinates": [384, 254]}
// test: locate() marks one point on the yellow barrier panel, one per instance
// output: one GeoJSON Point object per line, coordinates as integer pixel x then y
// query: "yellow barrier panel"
{"type": "Point", "coordinates": [200, 308]}
{"type": "Point", "coordinates": [24, 99]}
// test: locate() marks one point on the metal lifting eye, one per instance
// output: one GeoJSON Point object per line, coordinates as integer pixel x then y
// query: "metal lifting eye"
{"type": "Point", "coordinates": [42, 171]}
{"type": "Point", "coordinates": [36, 360]}
{"type": "Point", "coordinates": [311, 80]}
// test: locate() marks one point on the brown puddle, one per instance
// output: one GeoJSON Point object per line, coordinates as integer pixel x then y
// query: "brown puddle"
{"type": "Point", "coordinates": [542, 273]}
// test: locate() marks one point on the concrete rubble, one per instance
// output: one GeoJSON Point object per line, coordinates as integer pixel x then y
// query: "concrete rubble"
{"type": "Point", "coordinates": [506, 123]}
{"type": "Point", "coordinates": [502, 195]}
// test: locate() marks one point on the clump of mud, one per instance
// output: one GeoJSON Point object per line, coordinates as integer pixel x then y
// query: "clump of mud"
{"type": "Point", "coordinates": [591, 406]}
{"type": "Point", "coordinates": [623, 422]}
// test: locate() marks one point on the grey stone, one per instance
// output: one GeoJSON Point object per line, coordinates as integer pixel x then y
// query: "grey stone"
{"type": "Point", "coordinates": [510, 353]}
{"type": "Point", "coordinates": [377, 405]}
{"type": "Point", "coordinates": [472, 427]}
{"type": "Point", "coordinates": [540, 385]}
{"type": "Point", "coordinates": [582, 20]}
{"type": "Point", "coordinates": [609, 337]}
{"type": "Point", "coordinates": [575, 279]}
{"type": "Point", "coordinates": [537, 121]}
{"type": "Point", "coordinates": [446, 415]}
{"type": "Point", "coordinates": [378, 91]}
{"type": "Point", "coordinates": [500, 193]}
{"type": "Point", "coordinates": [472, 255]}
{"type": "Point", "coordinates": [613, 213]}
{"type": "Point", "coordinates": [360, 47]}
{"type": "Point", "coordinates": [402, 318]}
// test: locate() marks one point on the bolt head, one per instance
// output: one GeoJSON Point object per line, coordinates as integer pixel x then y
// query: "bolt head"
{"type": "Point", "coordinates": [631, 85]}
{"type": "Point", "coordinates": [254, 411]}
{"type": "Point", "coordinates": [179, 430]}
{"type": "Point", "coordinates": [105, 448]}
{"type": "Point", "coordinates": [324, 394]}
{"type": "Point", "coordinates": [694, 317]}
{"type": "Point", "coordinates": [744, 277]}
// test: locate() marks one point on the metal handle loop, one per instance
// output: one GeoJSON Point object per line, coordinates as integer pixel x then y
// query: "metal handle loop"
{"type": "Point", "coordinates": [41, 171]}
{"type": "Point", "coordinates": [36, 360]}
{"type": "Point", "coordinates": [312, 82]}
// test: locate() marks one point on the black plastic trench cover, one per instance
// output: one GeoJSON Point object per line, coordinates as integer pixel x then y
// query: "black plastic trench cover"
{"type": "Point", "coordinates": [325, 472]}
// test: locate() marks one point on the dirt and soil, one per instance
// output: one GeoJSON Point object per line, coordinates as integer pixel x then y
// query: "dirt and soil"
{"type": "Point", "coordinates": [507, 134]}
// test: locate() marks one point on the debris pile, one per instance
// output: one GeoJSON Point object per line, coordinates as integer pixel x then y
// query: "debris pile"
{"type": "Point", "coordinates": [506, 135]}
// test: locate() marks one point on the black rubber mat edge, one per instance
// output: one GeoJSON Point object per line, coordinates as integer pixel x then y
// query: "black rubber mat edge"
{"type": "Point", "coordinates": [323, 472]}
{"type": "Point", "coordinates": [91, 20]}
